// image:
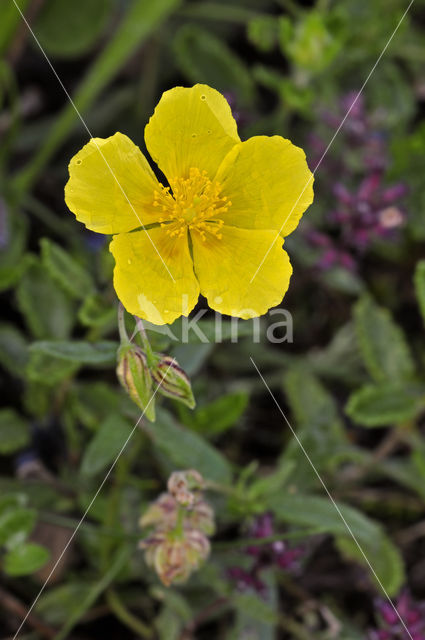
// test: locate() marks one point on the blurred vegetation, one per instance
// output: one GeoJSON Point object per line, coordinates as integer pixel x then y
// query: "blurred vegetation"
{"type": "Point", "coordinates": [352, 383]}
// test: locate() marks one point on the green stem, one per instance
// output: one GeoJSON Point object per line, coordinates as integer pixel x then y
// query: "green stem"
{"type": "Point", "coordinates": [126, 617]}
{"type": "Point", "coordinates": [145, 341]}
{"type": "Point", "coordinates": [121, 325]}
{"type": "Point", "coordinates": [258, 542]}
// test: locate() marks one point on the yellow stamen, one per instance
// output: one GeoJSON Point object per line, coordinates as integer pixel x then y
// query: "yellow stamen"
{"type": "Point", "coordinates": [192, 203]}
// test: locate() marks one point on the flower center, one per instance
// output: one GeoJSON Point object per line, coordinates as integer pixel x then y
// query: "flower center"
{"type": "Point", "coordinates": [192, 203]}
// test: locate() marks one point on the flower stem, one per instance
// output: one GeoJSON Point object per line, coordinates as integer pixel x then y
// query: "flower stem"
{"type": "Point", "coordinates": [145, 341]}
{"type": "Point", "coordinates": [126, 617]}
{"type": "Point", "coordinates": [121, 325]}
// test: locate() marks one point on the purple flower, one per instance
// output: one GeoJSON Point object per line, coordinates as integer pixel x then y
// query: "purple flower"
{"type": "Point", "coordinates": [265, 556]}
{"type": "Point", "coordinates": [363, 208]}
{"type": "Point", "coordinates": [391, 627]}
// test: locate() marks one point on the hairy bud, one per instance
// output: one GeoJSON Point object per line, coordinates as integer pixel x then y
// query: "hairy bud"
{"type": "Point", "coordinates": [134, 375]}
{"type": "Point", "coordinates": [172, 381]}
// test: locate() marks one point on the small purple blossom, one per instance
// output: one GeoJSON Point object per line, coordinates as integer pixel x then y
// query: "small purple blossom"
{"type": "Point", "coordinates": [390, 626]}
{"type": "Point", "coordinates": [265, 556]}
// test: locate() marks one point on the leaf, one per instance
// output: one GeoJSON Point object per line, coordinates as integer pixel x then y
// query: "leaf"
{"type": "Point", "coordinates": [390, 403]}
{"type": "Point", "coordinates": [90, 597]}
{"type": "Point", "coordinates": [419, 281]}
{"type": "Point", "coordinates": [25, 559]}
{"type": "Point", "coordinates": [217, 416]}
{"type": "Point", "coordinates": [316, 511]}
{"type": "Point", "coordinates": [382, 343]}
{"type": "Point", "coordinates": [59, 603]}
{"type": "Point", "coordinates": [65, 271]}
{"type": "Point", "coordinates": [14, 432]}
{"type": "Point", "coordinates": [13, 349]}
{"type": "Point", "coordinates": [46, 308]}
{"type": "Point", "coordinates": [78, 351]}
{"type": "Point", "coordinates": [96, 312]}
{"type": "Point", "coordinates": [67, 30]}
{"type": "Point", "coordinates": [387, 563]}
{"type": "Point", "coordinates": [16, 523]}
{"type": "Point", "coordinates": [187, 450]}
{"type": "Point", "coordinates": [203, 57]}
{"type": "Point", "coordinates": [318, 426]}
{"type": "Point", "coordinates": [255, 608]}
{"type": "Point", "coordinates": [14, 233]}
{"type": "Point", "coordinates": [105, 445]}
{"type": "Point", "coordinates": [47, 369]}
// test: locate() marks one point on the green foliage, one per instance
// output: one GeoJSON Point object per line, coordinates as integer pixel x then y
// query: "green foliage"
{"type": "Point", "coordinates": [382, 343]}
{"type": "Point", "coordinates": [187, 450]}
{"type": "Point", "coordinates": [204, 58]}
{"type": "Point", "coordinates": [70, 275]}
{"type": "Point", "coordinates": [105, 445]}
{"type": "Point", "coordinates": [25, 559]}
{"type": "Point", "coordinates": [46, 308]}
{"type": "Point", "coordinates": [420, 286]}
{"type": "Point", "coordinates": [345, 522]}
{"type": "Point", "coordinates": [216, 416]}
{"type": "Point", "coordinates": [67, 30]}
{"type": "Point", "coordinates": [14, 431]}
{"type": "Point", "coordinates": [78, 351]}
{"type": "Point", "coordinates": [13, 349]}
{"type": "Point", "coordinates": [389, 403]}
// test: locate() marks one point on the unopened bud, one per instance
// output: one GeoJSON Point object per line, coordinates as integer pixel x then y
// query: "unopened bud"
{"type": "Point", "coordinates": [185, 485]}
{"type": "Point", "coordinates": [175, 559]}
{"type": "Point", "coordinates": [134, 375]}
{"type": "Point", "coordinates": [172, 381]}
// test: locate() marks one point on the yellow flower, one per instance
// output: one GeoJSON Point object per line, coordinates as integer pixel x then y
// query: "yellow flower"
{"type": "Point", "coordinates": [216, 229]}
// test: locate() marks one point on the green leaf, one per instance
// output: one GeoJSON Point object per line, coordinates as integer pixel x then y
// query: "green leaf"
{"type": "Point", "coordinates": [66, 29]}
{"type": "Point", "coordinates": [382, 342]}
{"type": "Point", "coordinates": [389, 403]}
{"type": "Point", "coordinates": [187, 450]}
{"type": "Point", "coordinates": [387, 563]}
{"type": "Point", "coordinates": [16, 523]}
{"type": "Point", "coordinates": [13, 350]}
{"type": "Point", "coordinates": [46, 308]}
{"type": "Point", "coordinates": [60, 603]}
{"type": "Point", "coordinates": [315, 511]}
{"type": "Point", "coordinates": [317, 423]}
{"type": "Point", "coordinates": [262, 31]}
{"type": "Point", "coordinates": [217, 416]}
{"type": "Point", "coordinates": [78, 351]}
{"type": "Point", "coordinates": [204, 58]}
{"type": "Point", "coordinates": [14, 231]}
{"type": "Point", "coordinates": [140, 20]}
{"type": "Point", "coordinates": [14, 432]}
{"type": "Point", "coordinates": [25, 559]}
{"type": "Point", "coordinates": [64, 270]}
{"type": "Point", "coordinates": [255, 608]}
{"type": "Point", "coordinates": [90, 597]}
{"type": "Point", "coordinates": [47, 369]}
{"type": "Point", "coordinates": [96, 312]}
{"type": "Point", "coordinates": [419, 281]}
{"type": "Point", "coordinates": [105, 445]}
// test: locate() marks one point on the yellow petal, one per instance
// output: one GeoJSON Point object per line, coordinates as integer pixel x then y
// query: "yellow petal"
{"type": "Point", "coordinates": [111, 186]}
{"type": "Point", "coordinates": [225, 267]}
{"type": "Point", "coordinates": [191, 127]}
{"type": "Point", "coordinates": [158, 288]}
{"type": "Point", "coordinates": [268, 183]}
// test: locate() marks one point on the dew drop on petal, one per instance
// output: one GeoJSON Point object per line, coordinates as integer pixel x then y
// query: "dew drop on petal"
{"type": "Point", "coordinates": [203, 97]}
{"type": "Point", "coordinates": [129, 261]}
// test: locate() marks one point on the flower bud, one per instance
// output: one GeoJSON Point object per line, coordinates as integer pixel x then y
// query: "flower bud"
{"type": "Point", "coordinates": [134, 375]}
{"type": "Point", "coordinates": [184, 485]}
{"type": "Point", "coordinates": [172, 381]}
{"type": "Point", "coordinates": [162, 513]}
{"type": "Point", "coordinates": [175, 559]}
